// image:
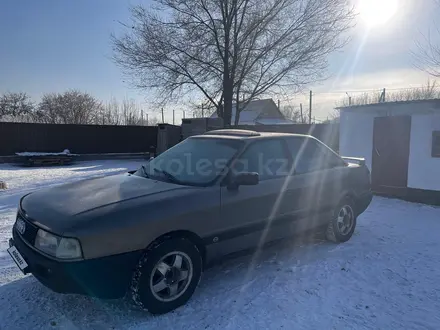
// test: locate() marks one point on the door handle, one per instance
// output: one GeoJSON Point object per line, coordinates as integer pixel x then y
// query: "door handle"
{"type": "Point", "coordinates": [377, 151]}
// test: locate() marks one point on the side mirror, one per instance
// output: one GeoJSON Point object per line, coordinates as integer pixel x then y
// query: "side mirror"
{"type": "Point", "coordinates": [244, 179]}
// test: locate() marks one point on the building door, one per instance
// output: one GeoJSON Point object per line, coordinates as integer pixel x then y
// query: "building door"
{"type": "Point", "coordinates": [391, 139]}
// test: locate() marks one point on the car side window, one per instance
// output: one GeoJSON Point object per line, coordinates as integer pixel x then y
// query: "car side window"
{"type": "Point", "coordinates": [310, 155]}
{"type": "Point", "coordinates": [266, 157]}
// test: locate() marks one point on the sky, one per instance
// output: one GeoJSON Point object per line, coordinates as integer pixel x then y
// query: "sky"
{"type": "Point", "coordinates": [51, 46]}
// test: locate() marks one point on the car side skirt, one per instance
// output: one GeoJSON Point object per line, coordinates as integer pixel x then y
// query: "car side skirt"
{"type": "Point", "coordinates": [257, 234]}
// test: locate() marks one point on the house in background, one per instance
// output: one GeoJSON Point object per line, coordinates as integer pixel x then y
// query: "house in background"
{"type": "Point", "coordinates": [401, 144]}
{"type": "Point", "coordinates": [259, 112]}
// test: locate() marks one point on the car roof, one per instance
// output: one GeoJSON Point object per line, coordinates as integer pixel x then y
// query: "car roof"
{"type": "Point", "coordinates": [245, 134]}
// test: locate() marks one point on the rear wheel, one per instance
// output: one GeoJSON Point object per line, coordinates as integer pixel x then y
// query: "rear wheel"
{"type": "Point", "coordinates": [167, 275]}
{"type": "Point", "coordinates": [341, 227]}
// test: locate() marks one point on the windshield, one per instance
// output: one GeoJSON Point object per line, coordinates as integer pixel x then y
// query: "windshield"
{"type": "Point", "coordinates": [195, 161]}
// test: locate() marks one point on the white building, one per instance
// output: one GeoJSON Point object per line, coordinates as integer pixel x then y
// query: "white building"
{"type": "Point", "coordinates": [400, 142]}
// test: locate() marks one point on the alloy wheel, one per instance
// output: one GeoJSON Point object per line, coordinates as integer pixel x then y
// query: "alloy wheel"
{"type": "Point", "coordinates": [171, 276]}
{"type": "Point", "coordinates": [345, 220]}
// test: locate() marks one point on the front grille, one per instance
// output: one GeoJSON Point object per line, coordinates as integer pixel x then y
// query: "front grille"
{"type": "Point", "coordinates": [30, 231]}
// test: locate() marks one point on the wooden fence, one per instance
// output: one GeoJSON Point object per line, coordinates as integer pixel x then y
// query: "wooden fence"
{"type": "Point", "coordinates": [80, 139]}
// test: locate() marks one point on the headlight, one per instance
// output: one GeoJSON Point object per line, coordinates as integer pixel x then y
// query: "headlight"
{"type": "Point", "coordinates": [56, 246]}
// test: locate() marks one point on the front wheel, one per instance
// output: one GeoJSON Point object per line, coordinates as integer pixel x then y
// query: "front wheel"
{"type": "Point", "coordinates": [167, 275]}
{"type": "Point", "coordinates": [342, 226]}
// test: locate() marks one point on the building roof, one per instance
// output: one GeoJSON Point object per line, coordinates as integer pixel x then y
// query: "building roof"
{"type": "Point", "coordinates": [255, 111]}
{"type": "Point", "coordinates": [434, 102]}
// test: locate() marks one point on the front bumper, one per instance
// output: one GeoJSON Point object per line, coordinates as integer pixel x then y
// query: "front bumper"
{"type": "Point", "coordinates": [364, 201]}
{"type": "Point", "coordinates": [107, 277]}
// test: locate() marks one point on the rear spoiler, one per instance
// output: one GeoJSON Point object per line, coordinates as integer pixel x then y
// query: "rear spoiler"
{"type": "Point", "coordinates": [360, 161]}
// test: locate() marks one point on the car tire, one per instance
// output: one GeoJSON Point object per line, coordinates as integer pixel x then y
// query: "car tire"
{"type": "Point", "coordinates": [342, 226]}
{"type": "Point", "coordinates": [167, 275]}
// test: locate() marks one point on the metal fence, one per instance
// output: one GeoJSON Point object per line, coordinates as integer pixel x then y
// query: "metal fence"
{"type": "Point", "coordinates": [80, 139]}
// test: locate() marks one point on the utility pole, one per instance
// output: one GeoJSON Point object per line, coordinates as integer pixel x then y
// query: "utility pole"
{"type": "Point", "coordinates": [163, 119]}
{"type": "Point", "coordinates": [202, 112]}
{"type": "Point", "coordinates": [279, 105]}
{"type": "Point", "coordinates": [173, 116]}
{"type": "Point", "coordinates": [301, 112]}
{"type": "Point", "coordinates": [142, 117]}
{"type": "Point", "coordinates": [147, 119]}
{"type": "Point", "coordinates": [310, 108]}
{"type": "Point", "coordinates": [183, 114]}
{"type": "Point", "coordinates": [382, 96]}
{"type": "Point", "coordinates": [349, 98]}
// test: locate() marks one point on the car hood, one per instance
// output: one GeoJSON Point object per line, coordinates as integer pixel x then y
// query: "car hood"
{"type": "Point", "coordinates": [48, 207]}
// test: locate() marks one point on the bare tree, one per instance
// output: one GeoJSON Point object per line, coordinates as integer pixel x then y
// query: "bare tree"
{"type": "Point", "coordinates": [201, 110]}
{"type": "Point", "coordinates": [293, 114]}
{"type": "Point", "coordinates": [71, 107]}
{"type": "Point", "coordinates": [230, 50]}
{"type": "Point", "coordinates": [131, 113]}
{"type": "Point", "coordinates": [111, 114]}
{"type": "Point", "coordinates": [426, 56]}
{"type": "Point", "coordinates": [334, 117]}
{"type": "Point", "coordinates": [426, 92]}
{"type": "Point", "coordinates": [13, 105]}
{"type": "Point", "coordinates": [152, 121]}
{"type": "Point", "coordinates": [360, 99]}
{"type": "Point", "coordinates": [127, 112]}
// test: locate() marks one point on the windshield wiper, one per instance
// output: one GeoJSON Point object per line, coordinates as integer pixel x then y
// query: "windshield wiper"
{"type": "Point", "coordinates": [144, 171]}
{"type": "Point", "coordinates": [169, 176]}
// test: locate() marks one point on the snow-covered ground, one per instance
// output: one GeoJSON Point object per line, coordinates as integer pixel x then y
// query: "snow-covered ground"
{"type": "Point", "coordinates": [385, 277]}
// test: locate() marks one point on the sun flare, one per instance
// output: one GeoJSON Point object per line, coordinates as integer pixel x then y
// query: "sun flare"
{"type": "Point", "coordinates": [377, 12]}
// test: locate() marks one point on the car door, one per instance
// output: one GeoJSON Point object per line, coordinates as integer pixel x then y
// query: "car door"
{"type": "Point", "coordinates": [314, 185]}
{"type": "Point", "coordinates": [247, 213]}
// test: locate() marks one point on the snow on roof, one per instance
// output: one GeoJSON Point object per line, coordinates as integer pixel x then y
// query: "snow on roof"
{"type": "Point", "coordinates": [381, 104]}
{"type": "Point", "coordinates": [274, 121]}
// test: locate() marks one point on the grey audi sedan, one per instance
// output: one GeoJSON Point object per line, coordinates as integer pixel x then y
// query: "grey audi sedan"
{"type": "Point", "coordinates": [149, 233]}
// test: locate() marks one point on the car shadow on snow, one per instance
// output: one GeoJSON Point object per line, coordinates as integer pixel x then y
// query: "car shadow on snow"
{"type": "Point", "coordinates": [27, 304]}
{"type": "Point", "coordinates": [229, 283]}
